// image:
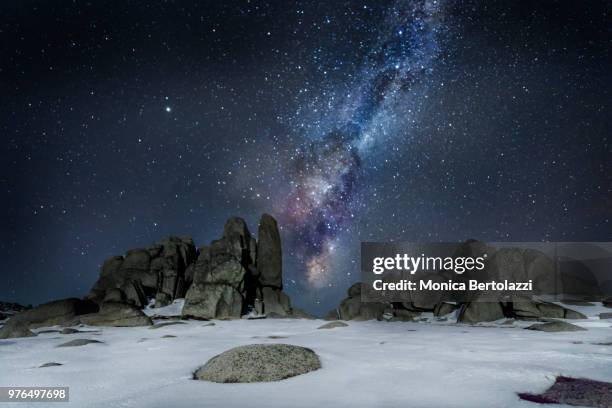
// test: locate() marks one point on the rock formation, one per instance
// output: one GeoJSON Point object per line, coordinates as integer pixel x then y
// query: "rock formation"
{"type": "Point", "coordinates": [237, 275]}
{"type": "Point", "coordinates": [504, 263]}
{"type": "Point", "coordinates": [231, 277]}
{"type": "Point", "coordinates": [158, 272]}
{"type": "Point", "coordinates": [228, 278]}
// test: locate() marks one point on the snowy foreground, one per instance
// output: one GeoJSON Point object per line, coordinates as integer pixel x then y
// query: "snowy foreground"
{"type": "Point", "coordinates": [367, 364]}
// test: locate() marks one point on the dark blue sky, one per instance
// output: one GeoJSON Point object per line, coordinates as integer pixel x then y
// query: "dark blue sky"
{"type": "Point", "coordinates": [125, 123]}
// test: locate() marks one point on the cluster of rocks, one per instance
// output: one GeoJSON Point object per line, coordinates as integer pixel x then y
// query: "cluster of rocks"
{"type": "Point", "coordinates": [237, 275]}
{"type": "Point", "coordinates": [502, 263]}
{"type": "Point", "coordinates": [232, 277]}
{"type": "Point", "coordinates": [158, 272]}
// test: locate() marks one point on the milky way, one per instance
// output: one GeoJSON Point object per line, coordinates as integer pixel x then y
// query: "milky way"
{"type": "Point", "coordinates": [326, 186]}
{"type": "Point", "coordinates": [349, 121]}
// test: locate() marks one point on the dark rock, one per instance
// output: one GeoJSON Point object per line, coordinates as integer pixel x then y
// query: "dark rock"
{"type": "Point", "coordinates": [575, 392]}
{"type": "Point", "coordinates": [333, 325]}
{"type": "Point", "coordinates": [168, 336]}
{"type": "Point", "coordinates": [51, 364]}
{"type": "Point", "coordinates": [258, 363]}
{"type": "Point", "coordinates": [607, 315]}
{"type": "Point", "coordinates": [269, 253]}
{"type": "Point", "coordinates": [555, 326]}
{"type": "Point", "coordinates": [189, 272]}
{"type": "Point", "coordinates": [165, 324]}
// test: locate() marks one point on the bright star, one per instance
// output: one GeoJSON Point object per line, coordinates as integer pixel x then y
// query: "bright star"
{"type": "Point", "coordinates": [168, 109]}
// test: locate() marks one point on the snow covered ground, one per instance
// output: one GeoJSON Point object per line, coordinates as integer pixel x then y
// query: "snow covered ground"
{"type": "Point", "coordinates": [367, 364]}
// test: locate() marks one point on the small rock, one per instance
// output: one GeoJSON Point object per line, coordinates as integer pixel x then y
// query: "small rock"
{"type": "Point", "coordinates": [606, 315]}
{"type": "Point", "coordinates": [333, 325]}
{"type": "Point", "coordinates": [258, 363]}
{"type": "Point", "coordinates": [555, 326]}
{"type": "Point", "coordinates": [79, 342]}
{"type": "Point", "coordinates": [51, 364]}
{"type": "Point", "coordinates": [164, 324]}
{"type": "Point", "coordinates": [168, 336]}
{"type": "Point", "coordinates": [208, 324]}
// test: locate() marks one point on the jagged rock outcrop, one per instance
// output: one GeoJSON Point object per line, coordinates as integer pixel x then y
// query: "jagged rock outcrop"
{"type": "Point", "coordinates": [226, 279]}
{"type": "Point", "coordinates": [236, 274]}
{"type": "Point", "coordinates": [157, 271]}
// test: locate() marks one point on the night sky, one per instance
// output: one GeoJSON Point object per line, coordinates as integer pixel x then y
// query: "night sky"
{"type": "Point", "coordinates": [125, 122]}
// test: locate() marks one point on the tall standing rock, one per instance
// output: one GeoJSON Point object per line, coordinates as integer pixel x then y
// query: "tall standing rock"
{"type": "Point", "coordinates": [269, 253]}
{"type": "Point", "coordinates": [270, 269]}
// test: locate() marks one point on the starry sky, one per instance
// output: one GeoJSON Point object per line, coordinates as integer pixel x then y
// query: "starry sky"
{"type": "Point", "coordinates": [349, 121]}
